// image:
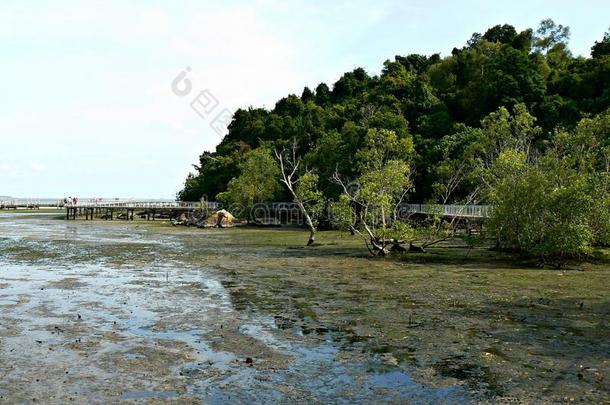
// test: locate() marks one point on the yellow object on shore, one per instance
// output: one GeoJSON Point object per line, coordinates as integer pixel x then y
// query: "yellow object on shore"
{"type": "Point", "coordinates": [222, 218]}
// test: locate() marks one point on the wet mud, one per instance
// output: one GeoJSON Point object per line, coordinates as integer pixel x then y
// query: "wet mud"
{"type": "Point", "coordinates": [140, 313]}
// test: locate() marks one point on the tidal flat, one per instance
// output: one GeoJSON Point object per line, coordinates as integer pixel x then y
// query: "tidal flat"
{"type": "Point", "coordinates": [142, 312]}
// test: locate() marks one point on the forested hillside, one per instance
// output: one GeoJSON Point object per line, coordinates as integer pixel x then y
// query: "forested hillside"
{"type": "Point", "coordinates": [440, 105]}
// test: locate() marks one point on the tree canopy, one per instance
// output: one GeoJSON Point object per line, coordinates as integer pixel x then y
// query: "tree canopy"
{"type": "Point", "coordinates": [511, 119]}
{"type": "Point", "coordinates": [431, 100]}
{"type": "Point", "coordinates": [427, 96]}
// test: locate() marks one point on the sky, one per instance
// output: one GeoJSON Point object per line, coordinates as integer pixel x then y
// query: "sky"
{"type": "Point", "coordinates": [92, 104]}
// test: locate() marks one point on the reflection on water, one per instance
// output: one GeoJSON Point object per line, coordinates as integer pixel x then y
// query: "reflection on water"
{"type": "Point", "coordinates": [13, 214]}
{"type": "Point", "coordinates": [176, 315]}
{"type": "Point", "coordinates": [149, 394]}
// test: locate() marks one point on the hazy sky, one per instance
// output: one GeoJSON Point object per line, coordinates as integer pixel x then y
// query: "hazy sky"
{"type": "Point", "coordinates": [86, 103]}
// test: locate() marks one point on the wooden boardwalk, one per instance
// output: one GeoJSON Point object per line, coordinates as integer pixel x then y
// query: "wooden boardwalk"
{"type": "Point", "coordinates": [13, 205]}
{"type": "Point", "coordinates": [110, 210]}
{"type": "Point", "coordinates": [451, 210]}
{"type": "Point", "coordinates": [153, 209]}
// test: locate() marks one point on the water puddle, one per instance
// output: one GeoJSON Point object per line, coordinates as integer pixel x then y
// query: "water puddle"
{"type": "Point", "coordinates": [149, 394]}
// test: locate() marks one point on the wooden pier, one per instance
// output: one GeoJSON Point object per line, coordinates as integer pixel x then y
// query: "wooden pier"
{"type": "Point", "coordinates": [128, 210]}
{"type": "Point", "coordinates": [447, 211]}
{"type": "Point", "coordinates": [277, 212]}
{"type": "Point", "coordinates": [15, 206]}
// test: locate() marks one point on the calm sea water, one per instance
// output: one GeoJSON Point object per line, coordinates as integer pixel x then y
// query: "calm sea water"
{"type": "Point", "coordinates": [55, 201]}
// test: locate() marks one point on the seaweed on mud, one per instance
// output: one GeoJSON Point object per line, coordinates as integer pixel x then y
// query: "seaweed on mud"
{"type": "Point", "coordinates": [475, 375]}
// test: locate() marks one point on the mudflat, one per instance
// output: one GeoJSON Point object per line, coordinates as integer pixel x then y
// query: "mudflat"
{"type": "Point", "coordinates": [99, 312]}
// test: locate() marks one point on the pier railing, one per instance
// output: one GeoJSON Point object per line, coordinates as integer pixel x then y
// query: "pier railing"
{"type": "Point", "coordinates": [142, 204]}
{"type": "Point", "coordinates": [452, 210]}
{"type": "Point", "coordinates": [31, 204]}
{"type": "Point", "coordinates": [278, 208]}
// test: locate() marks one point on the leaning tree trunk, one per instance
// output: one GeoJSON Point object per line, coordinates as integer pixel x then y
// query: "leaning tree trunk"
{"type": "Point", "coordinates": [289, 181]}
{"type": "Point", "coordinates": [375, 246]}
{"type": "Point", "coordinates": [357, 207]}
{"type": "Point", "coordinates": [308, 221]}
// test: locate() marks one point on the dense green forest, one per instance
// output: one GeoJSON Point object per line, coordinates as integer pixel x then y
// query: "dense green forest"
{"type": "Point", "coordinates": [512, 120]}
{"type": "Point", "coordinates": [428, 98]}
